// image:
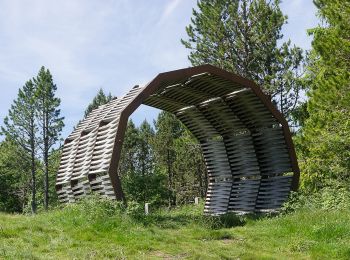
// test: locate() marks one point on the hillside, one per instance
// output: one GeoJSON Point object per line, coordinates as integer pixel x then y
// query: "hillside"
{"type": "Point", "coordinates": [99, 230]}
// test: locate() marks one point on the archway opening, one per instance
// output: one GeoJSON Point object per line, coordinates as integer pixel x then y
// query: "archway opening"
{"type": "Point", "coordinates": [245, 141]}
{"type": "Point", "coordinates": [161, 162]}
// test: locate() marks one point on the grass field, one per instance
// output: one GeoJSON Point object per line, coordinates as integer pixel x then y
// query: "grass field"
{"type": "Point", "coordinates": [75, 232]}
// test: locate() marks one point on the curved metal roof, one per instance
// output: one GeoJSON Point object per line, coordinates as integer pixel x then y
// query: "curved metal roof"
{"type": "Point", "coordinates": [246, 142]}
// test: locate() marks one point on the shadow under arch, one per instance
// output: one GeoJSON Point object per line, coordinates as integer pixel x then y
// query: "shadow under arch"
{"type": "Point", "coordinates": [246, 142]}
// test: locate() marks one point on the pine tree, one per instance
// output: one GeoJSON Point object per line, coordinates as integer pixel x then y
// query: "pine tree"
{"type": "Point", "coordinates": [244, 37]}
{"type": "Point", "coordinates": [14, 177]}
{"type": "Point", "coordinates": [179, 155]}
{"type": "Point", "coordinates": [325, 139]}
{"type": "Point", "coordinates": [21, 127]}
{"type": "Point", "coordinates": [145, 150]}
{"type": "Point", "coordinates": [168, 129]}
{"type": "Point", "coordinates": [100, 99]}
{"type": "Point", "coordinates": [145, 158]}
{"type": "Point", "coordinates": [190, 176]}
{"type": "Point", "coordinates": [128, 162]}
{"type": "Point", "coordinates": [49, 120]}
{"type": "Point", "coordinates": [141, 178]}
{"type": "Point", "coordinates": [54, 164]}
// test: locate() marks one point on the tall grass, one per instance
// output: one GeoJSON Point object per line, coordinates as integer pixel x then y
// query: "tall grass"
{"type": "Point", "coordinates": [101, 229]}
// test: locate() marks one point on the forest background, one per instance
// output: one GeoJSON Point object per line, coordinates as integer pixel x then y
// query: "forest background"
{"type": "Point", "coordinates": [161, 162]}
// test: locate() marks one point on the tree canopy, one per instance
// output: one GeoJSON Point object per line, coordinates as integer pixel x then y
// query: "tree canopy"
{"type": "Point", "coordinates": [49, 120]}
{"type": "Point", "coordinates": [325, 139]}
{"type": "Point", "coordinates": [245, 37]}
{"type": "Point", "coordinates": [100, 99]}
{"type": "Point", "coordinates": [34, 125]}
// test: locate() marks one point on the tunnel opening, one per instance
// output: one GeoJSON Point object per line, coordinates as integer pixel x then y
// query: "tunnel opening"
{"type": "Point", "coordinates": [245, 141]}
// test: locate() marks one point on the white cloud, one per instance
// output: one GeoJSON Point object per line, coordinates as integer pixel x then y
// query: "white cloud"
{"type": "Point", "coordinates": [169, 9]}
{"type": "Point", "coordinates": [301, 16]}
{"type": "Point", "coordinates": [88, 44]}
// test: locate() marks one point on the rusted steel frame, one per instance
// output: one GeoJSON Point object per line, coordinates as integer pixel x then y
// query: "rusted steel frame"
{"type": "Point", "coordinates": [268, 104]}
{"type": "Point", "coordinates": [152, 87]}
{"type": "Point", "coordinates": [149, 89]}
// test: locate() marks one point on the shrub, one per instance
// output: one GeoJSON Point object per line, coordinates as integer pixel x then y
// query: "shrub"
{"type": "Point", "coordinates": [328, 198]}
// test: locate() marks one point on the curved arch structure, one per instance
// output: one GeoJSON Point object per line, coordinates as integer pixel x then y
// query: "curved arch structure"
{"type": "Point", "coordinates": [246, 142]}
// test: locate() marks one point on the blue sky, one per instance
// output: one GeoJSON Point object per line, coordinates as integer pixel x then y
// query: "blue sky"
{"type": "Point", "coordinates": [113, 44]}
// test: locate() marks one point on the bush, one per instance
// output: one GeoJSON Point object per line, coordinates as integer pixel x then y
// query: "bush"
{"type": "Point", "coordinates": [328, 198]}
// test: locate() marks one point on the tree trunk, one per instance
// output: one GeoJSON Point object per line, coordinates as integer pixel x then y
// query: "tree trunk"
{"type": "Point", "coordinates": [32, 147]}
{"type": "Point", "coordinates": [205, 179]}
{"type": "Point", "coordinates": [169, 178]}
{"type": "Point", "coordinates": [46, 181]}
{"type": "Point", "coordinates": [199, 174]}
{"type": "Point", "coordinates": [33, 182]}
{"type": "Point", "coordinates": [46, 161]}
{"type": "Point", "coordinates": [171, 184]}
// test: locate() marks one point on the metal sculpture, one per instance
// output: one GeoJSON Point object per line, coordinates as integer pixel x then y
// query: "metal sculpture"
{"type": "Point", "coordinates": [246, 142]}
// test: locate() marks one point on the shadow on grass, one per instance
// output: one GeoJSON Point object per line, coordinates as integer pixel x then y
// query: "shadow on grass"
{"type": "Point", "coordinates": [169, 221]}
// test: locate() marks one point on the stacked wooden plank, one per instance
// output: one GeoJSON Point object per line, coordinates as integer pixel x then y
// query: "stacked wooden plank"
{"type": "Point", "coordinates": [87, 152]}
{"type": "Point", "coordinates": [243, 145]}
{"type": "Point", "coordinates": [246, 143]}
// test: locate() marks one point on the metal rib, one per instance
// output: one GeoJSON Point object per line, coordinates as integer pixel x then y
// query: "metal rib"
{"type": "Point", "coordinates": [246, 143]}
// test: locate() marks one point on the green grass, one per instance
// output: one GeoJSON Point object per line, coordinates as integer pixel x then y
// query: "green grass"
{"type": "Point", "coordinates": [75, 232]}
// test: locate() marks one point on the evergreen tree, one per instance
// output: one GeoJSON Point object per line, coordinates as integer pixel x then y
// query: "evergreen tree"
{"type": "Point", "coordinates": [141, 178]}
{"type": "Point", "coordinates": [21, 127]}
{"type": "Point", "coordinates": [244, 37]}
{"type": "Point", "coordinates": [145, 161]}
{"type": "Point", "coordinates": [168, 129]}
{"type": "Point", "coordinates": [325, 139]}
{"type": "Point", "coordinates": [127, 163]}
{"type": "Point", "coordinates": [100, 99]}
{"type": "Point", "coordinates": [190, 176]}
{"type": "Point", "coordinates": [179, 155]}
{"type": "Point", "coordinates": [14, 177]}
{"type": "Point", "coordinates": [49, 120]}
{"type": "Point", "coordinates": [54, 164]}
